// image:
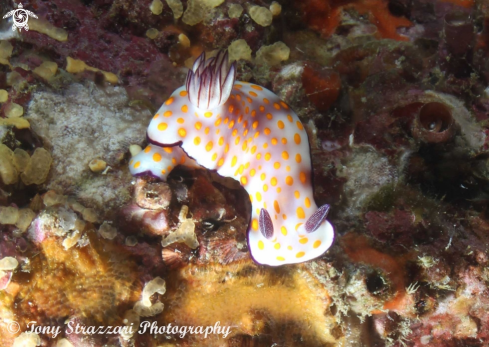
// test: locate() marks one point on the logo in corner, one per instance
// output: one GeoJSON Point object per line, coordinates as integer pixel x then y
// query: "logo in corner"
{"type": "Point", "coordinates": [20, 17]}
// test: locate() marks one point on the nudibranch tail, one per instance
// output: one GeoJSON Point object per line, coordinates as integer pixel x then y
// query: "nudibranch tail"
{"type": "Point", "coordinates": [210, 81]}
{"type": "Point", "coordinates": [246, 132]}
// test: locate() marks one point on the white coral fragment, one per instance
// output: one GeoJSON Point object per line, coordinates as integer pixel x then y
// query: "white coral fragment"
{"type": "Point", "coordinates": [145, 311]}
{"type": "Point", "coordinates": [156, 285]}
{"type": "Point", "coordinates": [107, 231]}
{"type": "Point", "coordinates": [185, 232]}
{"type": "Point", "coordinates": [27, 340]}
{"type": "Point", "coordinates": [8, 264]}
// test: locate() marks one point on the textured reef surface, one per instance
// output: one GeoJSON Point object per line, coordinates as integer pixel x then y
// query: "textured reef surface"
{"type": "Point", "coordinates": [394, 98]}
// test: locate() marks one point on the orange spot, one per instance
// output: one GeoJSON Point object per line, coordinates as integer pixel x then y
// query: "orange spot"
{"type": "Point", "coordinates": [249, 100]}
{"type": "Point", "coordinates": [253, 113]}
{"type": "Point", "coordinates": [234, 161]}
{"type": "Point", "coordinates": [147, 149]}
{"type": "Point", "coordinates": [209, 146]}
{"type": "Point", "coordinates": [226, 149]}
{"type": "Point", "coordinates": [253, 150]}
{"type": "Point", "coordinates": [235, 132]}
{"type": "Point", "coordinates": [156, 116]}
{"type": "Point", "coordinates": [258, 196]}
{"type": "Point", "coordinates": [261, 245]}
{"type": "Point", "coordinates": [162, 126]}
{"type": "Point", "coordinates": [263, 176]}
{"type": "Point", "coordinates": [297, 138]}
{"type": "Point", "coordinates": [218, 122]}
{"type": "Point", "coordinates": [289, 117]}
{"type": "Point", "coordinates": [273, 181]}
{"type": "Point", "coordinates": [299, 125]}
{"type": "Point", "coordinates": [280, 124]}
{"type": "Point", "coordinates": [265, 188]}
{"type": "Point", "coordinates": [238, 97]}
{"type": "Point", "coordinates": [231, 124]}
{"type": "Point", "coordinates": [280, 258]}
{"type": "Point", "coordinates": [184, 108]}
{"type": "Point", "coordinates": [298, 158]}
{"type": "Point", "coordinates": [168, 149]}
{"type": "Point", "coordinates": [245, 132]}
{"type": "Point", "coordinates": [238, 86]}
{"type": "Point", "coordinates": [289, 248]}
{"type": "Point", "coordinates": [283, 230]}
{"type": "Point", "coordinates": [253, 93]}
{"type": "Point", "coordinates": [208, 114]}
{"type": "Point", "coordinates": [277, 246]}
{"type": "Point", "coordinates": [267, 131]}
{"type": "Point", "coordinates": [289, 180]}
{"type": "Point", "coordinates": [300, 213]}
{"type": "Point", "coordinates": [265, 100]}
{"type": "Point", "coordinates": [277, 106]}
{"type": "Point", "coordinates": [182, 132]}
{"type": "Point", "coordinates": [300, 255]}
{"type": "Point", "coordinates": [284, 216]}
{"type": "Point", "coordinates": [221, 141]}
{"type": "Point", "coordinates": [180, 120]}
{"type": "Point", "coordinates": [240, 118]}
{"type": "Point", "coordinates": [258, 156]}
{"type": "Point", "coordinates": [244, 180]}
{"type": "Point", "coordinates": [276, 206]}
{"type": "Point", "coordinates": [169, 101]}
{"type": "Point", "coordinates": [220, 162]}
{"type": "Point", "coordinates": [157, 157]}
{"type": "Point", "coordinates": [297, 226]}
{"type": "Point", "coordinates": [284, 105]}
{"type": "Point", "coordinates": [163, 171]}
{"type": "Point", "coordinates": [285, 155]}
{"type": "Point", "coordinates": [302, 177]}
{"type": "Point", "coordinates": [276, 165]}
{"type": "Point", "coordinates": [255, 124]}
{"type": "Point", "coordinates": [174, 161]}
{"type": "Point", "coordinates": [254, 224]}
{"type": "Point", "coordinates": [197, 141]}
{"type": "Point", "coordinates": [198, 125]}
{"type": "Point", "coordinates": [268, 156]}
{"type": "Point", "coordinates": [245, 145]}
{"type": "Point", "coordinates": [182, 160]}
{"type": "Point", "coordinates": [254, 86]}
{"type": "Point", "coordinates": [316, 244]}
{"type": "Point", "coordinates": [307, 202]}
{"type": "Point", "coordinates": [252, 172]}
{"type": "Point", "coordinates": [231, 108]}
{"type": "Point", "coordinates": [262, 108]}
{"type": "Point", "coordinates": [269, 116]}
{"type": "Point", "coordinates": [137, 164]}
{"type": "Point", "coordinates": [226, 120]}
{"type": "Point", "coordinates": [279, 190]}
{"type": "Point", "coordinates": [297, 194]}
{"type": "Point", "coordinates": [284, 140]}
{"type": "Point", "coordinates": [256, 134]}
{"type": "Point", "coordinates": [303, 240]}
{"type": "Point", "coordinates": [237, 140]}
{"type": "Point", "coordinates": [183, 93]}
{"type": "Point", "coordinates": [167, 113]}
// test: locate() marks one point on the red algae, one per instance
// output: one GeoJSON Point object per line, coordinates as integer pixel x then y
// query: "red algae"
{"type": "Point", "coordinates": [324, 16]}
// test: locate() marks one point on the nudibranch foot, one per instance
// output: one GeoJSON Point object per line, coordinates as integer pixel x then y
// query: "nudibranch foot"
{"type": "Point", "coordinates": [243, 131]}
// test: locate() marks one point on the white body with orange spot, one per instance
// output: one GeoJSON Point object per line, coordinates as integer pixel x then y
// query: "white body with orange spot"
{"type": "Point", "coordinates": [257, 139]}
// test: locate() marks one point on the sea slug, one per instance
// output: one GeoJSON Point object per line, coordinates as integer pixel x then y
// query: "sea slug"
{"type": "Point", "coordinates": [243, 131]}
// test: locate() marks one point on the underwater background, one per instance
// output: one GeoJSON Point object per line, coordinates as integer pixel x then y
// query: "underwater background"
{"type": "Point", "coordinates": [393, 98]}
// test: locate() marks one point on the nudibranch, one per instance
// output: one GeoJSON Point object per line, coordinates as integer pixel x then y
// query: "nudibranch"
{"type": "Point", "coordinates": [243, 131]}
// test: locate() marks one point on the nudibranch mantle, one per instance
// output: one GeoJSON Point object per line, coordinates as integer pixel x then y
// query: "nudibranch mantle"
{"type": "Point", "coordinates": [258, 140]}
